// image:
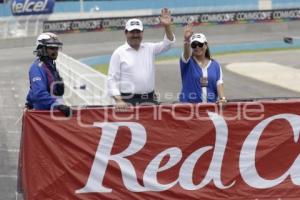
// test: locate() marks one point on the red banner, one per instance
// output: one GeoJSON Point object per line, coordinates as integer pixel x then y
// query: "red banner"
{"type": "Point", "coordinates": [179, 151]}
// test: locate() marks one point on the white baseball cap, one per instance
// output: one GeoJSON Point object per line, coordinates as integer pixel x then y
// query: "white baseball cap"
{"type": "Point", "coordinates": [133, 24]}
{"type": "Point", "coordinates": [199, 37]}
{"type": "Point", "coordinates": [48, 39]}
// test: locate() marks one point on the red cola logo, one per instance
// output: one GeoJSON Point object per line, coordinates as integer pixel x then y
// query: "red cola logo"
{"type": "Point", "coordinates": [247, 165]}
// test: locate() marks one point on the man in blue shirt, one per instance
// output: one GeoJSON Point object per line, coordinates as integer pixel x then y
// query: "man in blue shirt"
{"type": "Point", "coordinates": [46, 85]}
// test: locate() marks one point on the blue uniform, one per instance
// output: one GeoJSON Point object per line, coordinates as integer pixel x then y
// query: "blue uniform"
{"type": "Point", "coordinates": [191, 75]}
{"type": "Point", "coordinates": [39, 96]}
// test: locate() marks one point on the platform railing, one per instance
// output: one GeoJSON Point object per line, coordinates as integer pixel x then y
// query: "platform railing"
{"type": "Point", "coordinates": [85, 86]}
{"type": "Point", "coordinates": [21, 26]}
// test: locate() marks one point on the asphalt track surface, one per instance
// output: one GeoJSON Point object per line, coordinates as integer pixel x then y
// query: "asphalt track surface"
{"type": "Point", "coordinates": [16, 57]}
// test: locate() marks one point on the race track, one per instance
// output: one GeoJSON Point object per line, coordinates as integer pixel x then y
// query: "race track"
{"type": "Point", "coordinates": [15, 63]}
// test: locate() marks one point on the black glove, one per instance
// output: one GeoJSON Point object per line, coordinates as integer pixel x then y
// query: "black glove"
{"type": "Point", "coordinates": [28, 106]}
{"type": "Point", "coordinates": [59, 89]}
{"type": "Point", "coordinates": [65, 109]}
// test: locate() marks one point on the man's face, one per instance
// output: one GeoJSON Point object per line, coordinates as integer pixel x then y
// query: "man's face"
{"type": "Point", "coordinates": [134, 38]}
{"type": "Point", "coordinates": [52, 52]}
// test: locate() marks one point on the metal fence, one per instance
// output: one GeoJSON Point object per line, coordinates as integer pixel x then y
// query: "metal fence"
{"type": "Point", "coordinates": [21, 26]}
{"type": "Point", "coordinates": [85, 86]}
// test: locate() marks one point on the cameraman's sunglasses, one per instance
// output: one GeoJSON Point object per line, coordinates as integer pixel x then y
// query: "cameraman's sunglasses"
{"type": "Point", "coordinates": [194, 45]}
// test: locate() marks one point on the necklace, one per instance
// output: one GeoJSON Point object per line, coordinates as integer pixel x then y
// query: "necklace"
{"type": "Point", "coordinates": [202, 64]}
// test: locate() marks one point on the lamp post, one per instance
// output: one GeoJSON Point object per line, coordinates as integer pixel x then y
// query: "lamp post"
{"type": "Point", "coordinates": [81, 6]}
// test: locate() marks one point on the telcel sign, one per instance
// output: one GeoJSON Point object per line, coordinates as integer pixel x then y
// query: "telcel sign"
{"type": "Point", "coordinates": [32, 7]}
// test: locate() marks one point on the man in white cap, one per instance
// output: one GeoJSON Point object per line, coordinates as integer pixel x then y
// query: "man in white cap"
{"type": "Point", "coordinates": [131, 72]}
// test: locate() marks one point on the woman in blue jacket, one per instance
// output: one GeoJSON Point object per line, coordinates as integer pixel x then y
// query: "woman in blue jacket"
{"type": "Point", "coordinates": [202, 78]}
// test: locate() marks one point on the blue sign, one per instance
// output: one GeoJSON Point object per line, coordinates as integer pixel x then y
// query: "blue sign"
{"type": "Point", "coordinates": [32, 7]}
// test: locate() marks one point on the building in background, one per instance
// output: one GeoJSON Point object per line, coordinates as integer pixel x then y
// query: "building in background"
{"type": "Point", "coordinates": [32, 24]}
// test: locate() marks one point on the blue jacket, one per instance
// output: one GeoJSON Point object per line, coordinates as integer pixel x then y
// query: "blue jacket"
{"type": "Point", "coordinates": [39, 96]}
{"type": "Point", "coordinates": [191, 75]}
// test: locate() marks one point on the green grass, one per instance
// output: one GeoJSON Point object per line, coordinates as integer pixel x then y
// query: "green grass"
{"type": "Point", "coordinates": [103, 68]}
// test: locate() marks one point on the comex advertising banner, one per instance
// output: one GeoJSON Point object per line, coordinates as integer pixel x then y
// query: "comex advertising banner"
{"type": "Point", "coordinates": [101, 24]}
{"type": "Point", "coordinates": [179, 151]}
{"type": "Point", "coordinates": [32, 7]}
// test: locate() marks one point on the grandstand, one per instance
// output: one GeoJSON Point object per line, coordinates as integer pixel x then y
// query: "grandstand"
{"type": "Point", "coordinates": [31, 25]}
{"type": "Point", "coordinates": [177, 6]}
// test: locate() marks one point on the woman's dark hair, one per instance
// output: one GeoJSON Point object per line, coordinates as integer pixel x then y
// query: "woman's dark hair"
{"type": "Point", "coordinates": [207, 53]}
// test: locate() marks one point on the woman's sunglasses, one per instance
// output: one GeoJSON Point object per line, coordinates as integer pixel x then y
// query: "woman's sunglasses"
{"type": "Point", "coordinates": [194, 45]}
